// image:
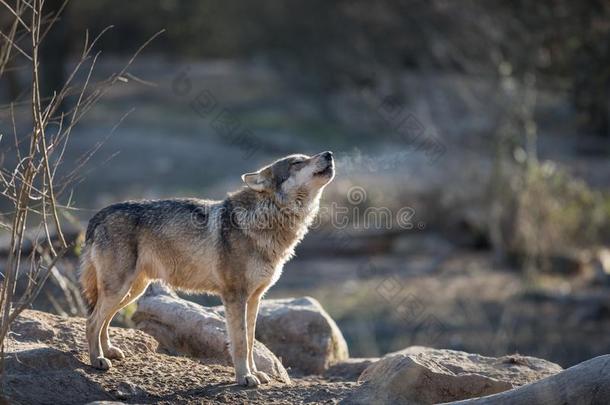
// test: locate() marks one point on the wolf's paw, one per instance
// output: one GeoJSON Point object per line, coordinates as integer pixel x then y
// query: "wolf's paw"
{"type": "Point", "coordinates": [101, 363]}
{"type": "Point", "coordinates": [248, 380]}
{"type": "Point", "coordinates": [114, 352]}
{"type": "Point", "coordinates": [262, 377]}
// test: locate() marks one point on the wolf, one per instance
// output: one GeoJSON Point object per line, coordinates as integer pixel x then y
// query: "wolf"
{"type": "Point", "coordinates": [234, 248]}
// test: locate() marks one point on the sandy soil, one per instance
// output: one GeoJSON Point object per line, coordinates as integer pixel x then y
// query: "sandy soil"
{"type": "Point", "coordinates": [47, 363]}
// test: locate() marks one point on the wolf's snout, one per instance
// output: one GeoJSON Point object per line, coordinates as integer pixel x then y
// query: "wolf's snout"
{"type": "Point", "coordinates": [325, 166]}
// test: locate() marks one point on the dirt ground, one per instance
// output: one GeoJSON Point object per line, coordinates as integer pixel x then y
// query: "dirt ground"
{"type": "Point", "coordinates": [47, 363]}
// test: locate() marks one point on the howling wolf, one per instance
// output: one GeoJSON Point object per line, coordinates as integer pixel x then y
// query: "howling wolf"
{"type": "Point", "coordinates": [234, 248]}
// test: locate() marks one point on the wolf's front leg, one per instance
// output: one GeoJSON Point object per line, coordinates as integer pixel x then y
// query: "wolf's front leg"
{"type": "Point", "coordinates": [235, 309]}
{"type": "Point", "coordinates": [252, 313]}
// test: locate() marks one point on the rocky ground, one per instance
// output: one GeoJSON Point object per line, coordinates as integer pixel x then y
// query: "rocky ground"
{"type": "Point", "coordinates": [46, 363]}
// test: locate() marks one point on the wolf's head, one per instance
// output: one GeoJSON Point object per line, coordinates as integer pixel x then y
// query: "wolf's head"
{"type": "Point", "coordinates": [294, 177]}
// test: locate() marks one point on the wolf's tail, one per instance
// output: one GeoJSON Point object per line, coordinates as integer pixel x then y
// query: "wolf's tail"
{"type": "Point", "coordinates": [88, 280]}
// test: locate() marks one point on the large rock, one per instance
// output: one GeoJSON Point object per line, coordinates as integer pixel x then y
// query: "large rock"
{"type": "Point", "coordinates": [302, 333]}
{"type": "Point", "coordinates": [297, 330]}
{"type": "Point", "coordinates": [183, 327]}
{"type": "Point", "coordinates": [420, 375]}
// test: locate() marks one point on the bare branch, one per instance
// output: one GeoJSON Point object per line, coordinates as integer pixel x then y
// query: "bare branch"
{"type": "Point", "coordinates": [16, 14]}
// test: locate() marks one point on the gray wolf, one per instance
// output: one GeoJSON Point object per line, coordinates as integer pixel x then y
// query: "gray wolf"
{"type": "Point", "coordinates": [234, 248]}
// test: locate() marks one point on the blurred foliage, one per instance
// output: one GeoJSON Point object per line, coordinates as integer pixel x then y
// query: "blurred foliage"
{"type": "Point", "coordinates": [547, 212]}
{"type": "Point", "coordinates": [323, 45]}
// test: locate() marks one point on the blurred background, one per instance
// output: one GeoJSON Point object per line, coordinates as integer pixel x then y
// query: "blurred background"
{"type": "Point", "coordinates": [471, 207]}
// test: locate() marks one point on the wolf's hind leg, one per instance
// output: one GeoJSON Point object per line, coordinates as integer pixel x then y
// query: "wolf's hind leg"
{"type": "Point", "coordinates": [137, 289]}
{"type": "Point", "coordinates": [106, 306]}
{"type": "Point", "coordinates": [97, 336]}
{"type": "Point", "coordinates": [93, 329]}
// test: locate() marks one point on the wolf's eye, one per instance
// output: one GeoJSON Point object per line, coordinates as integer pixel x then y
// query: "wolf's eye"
{"type": "Point", "coordinates": [297, 165]}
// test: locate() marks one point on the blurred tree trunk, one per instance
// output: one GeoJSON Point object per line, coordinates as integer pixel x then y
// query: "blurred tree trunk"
{"type": "Point", "coordinates": [54, 52]}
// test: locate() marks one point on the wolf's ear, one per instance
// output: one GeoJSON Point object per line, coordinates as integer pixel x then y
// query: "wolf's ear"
{"type": "Point", "coordinates": [256, 181]}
